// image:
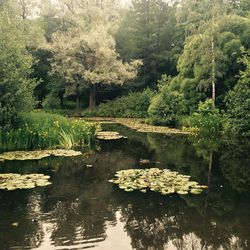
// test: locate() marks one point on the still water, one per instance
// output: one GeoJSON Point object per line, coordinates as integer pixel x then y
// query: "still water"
{"type": "Point", "coordinates": [82, 210]}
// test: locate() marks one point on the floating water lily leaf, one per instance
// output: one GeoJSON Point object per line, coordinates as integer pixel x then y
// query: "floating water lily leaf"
{"type": "Point", "coordinates": [196, 191]}
{"type": "Point", "coordinates": [147, 161]}
{"type": "Point", "coordinates": [110, 135]}
{"type": "Point", "coordinates": [18, 181]}
{"type": "Point", "coordinates": [139, 125]}
{"type": "Point", "coordinates": [157, 180]}
{"type": "Point", "coordinates": [37, 155]}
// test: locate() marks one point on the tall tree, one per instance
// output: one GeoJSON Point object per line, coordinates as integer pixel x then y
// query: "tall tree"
{"type": "Point", "coordinates": [238, 103]}
{"type": "Point", "coordinates": [208, 65]}
{"type": "Point", "coordinates": [202, 18]}
{"type": "Point", "coordinates": [85, 55]}
{"type": "Point", "coordinates": [16, 86]}
{"type": "Point", "coordinates": [149, 31]}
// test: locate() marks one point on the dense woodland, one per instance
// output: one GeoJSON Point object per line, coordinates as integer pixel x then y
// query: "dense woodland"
{"type": "Point", "coordinates": [180, 63]}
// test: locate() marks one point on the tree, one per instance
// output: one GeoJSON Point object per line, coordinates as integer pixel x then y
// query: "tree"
{"type": "Point", "coordinates": [16, 86]}
{"type": "Point", "coordinates": [200, 67]}
{"type": "Point", "coordinates": [167, 105]}
{"type": "Point", "coordinates": [149, 31]}
{"type": "Point", "coordinates": [238, 103]}
{"type": "Point", "coordinates": [87, 59]}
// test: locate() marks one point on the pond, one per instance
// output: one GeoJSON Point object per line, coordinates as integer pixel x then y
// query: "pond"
{"type": "Point", "coordinates": [81, 209]}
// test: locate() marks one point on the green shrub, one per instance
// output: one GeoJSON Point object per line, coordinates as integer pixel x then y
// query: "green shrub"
{"type": "Point", "coordinates": [69, 104]}
{"type": "Point", "coordinates": [207, 119]}
{"type": "Point", "coordinates": [238, 109]}
{"type": "Point", "coordinates": [40, 130]}
{"type": "Point", "coordinates": [166, 108]}
{"type": "Point", "coordinates": [51, 102]}
{"type": "Point", "coordinates": [134, 105]}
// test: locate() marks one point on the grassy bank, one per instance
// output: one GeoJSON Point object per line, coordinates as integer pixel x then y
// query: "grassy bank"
{"type": "Point", "coordinates": [38, 130]}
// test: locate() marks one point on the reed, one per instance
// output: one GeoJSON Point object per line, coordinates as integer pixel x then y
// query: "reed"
{"type": "Point", "coordinates": [39, 130]}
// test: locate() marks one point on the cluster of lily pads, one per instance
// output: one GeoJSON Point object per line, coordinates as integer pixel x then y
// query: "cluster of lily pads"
{"type": "Point", "coordinates": [109, 135]}
{"type": "Point", "coordinates": [36, 155]}
{"type": "Point", "coordinates": [21, 181]}
{"type": "Point", "coordinates": [157, 180]}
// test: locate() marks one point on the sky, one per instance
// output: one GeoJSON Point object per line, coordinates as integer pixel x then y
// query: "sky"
{"type": "Point", "coordinates": [125, 2]}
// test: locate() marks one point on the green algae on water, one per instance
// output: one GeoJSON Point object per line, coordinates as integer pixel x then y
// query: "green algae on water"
{"type": "Point", "coordinates": [164, 181]}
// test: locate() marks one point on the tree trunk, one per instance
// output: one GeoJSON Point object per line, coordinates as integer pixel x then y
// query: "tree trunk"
{"type": "Point", "coordinates": [213, 59]}
{"type": "Point", "coordinates": [78, 103]}
{"type": "Point", "coordinates": [213, 70]}
{"type": "Point", "coordinates": [92, 97]}
{"type": "Point", "coordinates": [78, 106]}
{"type": "Point", "coordinates": [61, 101]}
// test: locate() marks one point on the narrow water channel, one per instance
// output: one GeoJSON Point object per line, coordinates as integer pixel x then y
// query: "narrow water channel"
{"type": "Point", "coordinates": [82, 210]}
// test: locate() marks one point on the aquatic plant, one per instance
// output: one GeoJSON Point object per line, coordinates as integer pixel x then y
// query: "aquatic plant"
{"type": "Point", "coordinates": [110, 135]}
{"type": "Point", "coordinates": [139, 125]}
{"type": "Point", "coordinates": [20, 181]}
{"type": "Point", "coordinates": [65, 139]}
{"type": "Point", "coordinates": [37, 155]}
{"type": "Point", "coordinates": [147, 161]}
{"type": "Point", "coordinates": [157, 180]}
{"type": "Point", "coordinates": [38, 130]}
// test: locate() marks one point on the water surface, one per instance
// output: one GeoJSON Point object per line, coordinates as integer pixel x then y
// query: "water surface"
{"type": "Point", "coordinates": [82, 210]}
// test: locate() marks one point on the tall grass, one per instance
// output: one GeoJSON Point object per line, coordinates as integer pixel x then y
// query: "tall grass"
{"type": "Point", "coordinates": [38, 130]}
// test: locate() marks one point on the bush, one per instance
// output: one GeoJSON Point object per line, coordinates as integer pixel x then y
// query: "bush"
{"type": "Point", "coordinates": [207, 119]}
{"type": "Point", "coordinates": [51, 102]}
{"type": "Point", "coordinates": [238, 109]}
{"type": "Point", "coordinates": [40, 130]}
{"type": "Point", "coordinates": [166, 108]}
{"type": "Point", "coordinates": [134, 105]}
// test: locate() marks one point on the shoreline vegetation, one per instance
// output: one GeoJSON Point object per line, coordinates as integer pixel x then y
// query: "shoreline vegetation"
{"type": "Point", "coordinates": [175, 71]}
{"type": "Point", "coordinates": [40, 130]}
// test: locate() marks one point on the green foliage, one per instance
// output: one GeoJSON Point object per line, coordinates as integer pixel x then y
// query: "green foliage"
{"type": "Point", "coordinates": [195, 65]}
{"type": "Point", "coordinates": [149, 31]}
{"type": "Point", "coordinates": [166, 107]}
{"type": "Point", "coordinates": [16, 88]}
{"type": "Point", "coordinates": [134, 105]}
{"type": "Point", "coordinates": [76, 48]}
{"type": "Point", "coordinates": [51, 102]}
{"type": "Point", "coordinates": [85, 57]}
{"type": "Point", "coordinates": [40, 130]}
{"type": "Point", "coordinates": [207, 119]}
{"type": "Point", "coordinates": [238, 104]}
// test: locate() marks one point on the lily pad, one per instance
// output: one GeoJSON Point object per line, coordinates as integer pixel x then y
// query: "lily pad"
{"type": "Point", "coordinates": [18, 181]}
{"type": "Point", "coordinates": [110, 135]}
{"type": "Point", "coordinates": [139, 125]}
{"type": "Point", "coordinates": [37, 155]}
{"type": "Point", "coordinates": [147, 161]}
{"type": "Point", "coordinates": [157, 180]}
